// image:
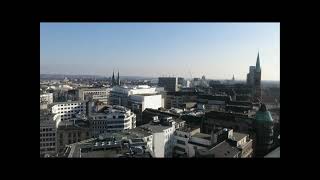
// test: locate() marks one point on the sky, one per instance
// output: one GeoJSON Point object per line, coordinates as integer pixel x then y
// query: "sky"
{"type": "Point", "coordinates": [216, 50]}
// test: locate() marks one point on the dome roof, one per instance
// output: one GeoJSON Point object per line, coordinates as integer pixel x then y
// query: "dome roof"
{"type": "Point", "coordinates": [263, 114]}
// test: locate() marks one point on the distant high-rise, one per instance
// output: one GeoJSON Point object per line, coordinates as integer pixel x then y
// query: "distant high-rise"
{"type": "Point", "coordinates": [169, 83]}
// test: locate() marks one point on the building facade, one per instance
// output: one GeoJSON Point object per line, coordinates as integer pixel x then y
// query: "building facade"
{"type": "Point", "coordinates": [68, 109]}
{"type": "Point", "coordinates": [99, 94]}
{"type": "Point", "coordinates": [45, 100]}
{"type": "Point", "coordinates": [163, 140]}
{"type": "Point", "coordinates": [170, 84]}
{"type": "Point", "coordinates": [48, 133]}
{"type": "Point", "coordinates": [72, 131]}
{"type": "Point", "coordinates": [112, 119]}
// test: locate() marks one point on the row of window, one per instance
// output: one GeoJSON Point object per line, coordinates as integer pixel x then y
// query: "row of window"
{"type": "Point", "coordinates": [181, 142]}
{"type": "Point", "coordinates": [45, 129]}
{"type": "Point", "coordinates": [47, 134]}
{"type": "Point", "coordinates": [77, 107]}
{"type": "Point", "coordinates": [70, 112]}
{"type": "Point", "coordinates": [47, 144]}
{"type": "Point", "coordinates": [74, 134]}
{"type": "Point", "coordinates": [47, 149]}
{"type": "Point", "coordinates": [47, 139]}
{"type": "Point", "coordinates": [109, 122]}
{"type": "Point", "coordinates": [69, 104]}
{"type": "Point", "coordinates": [103, 92]}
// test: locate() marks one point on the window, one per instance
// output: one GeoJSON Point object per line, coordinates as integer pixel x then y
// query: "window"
{"type": "Point", "coordinates": [69, 141]}
{"type": "Point", "coordinates": [79, 134]}
{"type": "Point", "coordinates": [69, 135]}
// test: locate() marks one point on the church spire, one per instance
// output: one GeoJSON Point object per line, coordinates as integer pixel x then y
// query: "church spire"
{"type": "Point", "coordinates": [113, 80]}
{"type": "Point", "coordinates": [118, 79]}
{"type": "Point", "coordinates": [258, 69]}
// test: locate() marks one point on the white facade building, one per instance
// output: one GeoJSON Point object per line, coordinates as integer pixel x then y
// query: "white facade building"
{"type": "Point", "coordinates": [67, 109]}
{"type": "Point", "coordinates": [48, 133]}
{"type": "Point", "coordinates": [45, 100]}
{"type": "Point", "coordinates": [113, 119]}
{"type": "Point", "coordinates": [100, 94]}
{"type": "Point", "coordinates": [120, 95]}
{"type": "Point", "coordinates": [141, 102]}
{"type": "Point", "coordinates": [163, 139]}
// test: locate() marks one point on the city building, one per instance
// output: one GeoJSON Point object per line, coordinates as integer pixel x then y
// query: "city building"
{"type": "Point", "coordinates": [72, 131]}
{"type": "Point", "coordinates": [139, 102]}
{"type": "Point", "coordinates": [112, 119]}
{"type": "Point", "coordinates": [221, 142]}
{"type": "Point", "coordinates": [223, 150]}
{"type": "Point", "coordinates": [126, 144]}
{"type": "Point", "coordinates": [180, 99]}
{"type": "Point", "coordinates": [48, 133]}
{"type": "Point", "coordinates": [170, 84]}
{"type": "Point", "coordinates": [239, 122]}
{"type": "Point", "coordinates": [162, 130]}
{"type": "Point", "coordinates": [95, 94]}
{"type": "Point", "coordinates": [119, 95]}
{"type": "Point", "coordinates": [67, 109]}
{"type": "Point", "coordinates": [212, 102]}
{"type": "Point", "coordinates": [45, 100]}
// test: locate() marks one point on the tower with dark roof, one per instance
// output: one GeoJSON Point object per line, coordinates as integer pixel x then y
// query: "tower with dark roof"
{"type": "Point", "coordinates": [264, 131]}
{"type": "Point", "coordinates": [113, 80]}
{"type": "Point", "coordinates": [118, 79]}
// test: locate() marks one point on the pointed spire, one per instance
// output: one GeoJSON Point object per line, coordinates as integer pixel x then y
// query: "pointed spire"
{"type": "Point", "coordinates": [113, 80]}
{"type": "Point", "coordinates": [118, 79]}
{"type": "Point", "coordinates": [258, 69]}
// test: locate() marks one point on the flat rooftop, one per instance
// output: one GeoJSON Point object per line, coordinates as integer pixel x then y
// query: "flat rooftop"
{"type": "Point", "coordinates": [202, 136]}
{"type": "Point", "coordinates": [147, 94]}
{"type": "Point", "coordinates": [155, 128]}
{"type": "Point", "coordinates": [187, 129]}
{"type": "Point", "coordinates": [139, 132]}
{"type": "Point", "coordinates": [222, 150]}
{"type": "Point", "coordinates": [238, 136]}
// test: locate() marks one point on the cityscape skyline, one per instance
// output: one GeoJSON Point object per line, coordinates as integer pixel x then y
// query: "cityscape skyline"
{"type": "Point", "coordinates": [216, 50]}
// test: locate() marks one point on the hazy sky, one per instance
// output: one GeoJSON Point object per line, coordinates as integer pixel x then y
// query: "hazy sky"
{"type": "Point", "coordinates": [216, 50]}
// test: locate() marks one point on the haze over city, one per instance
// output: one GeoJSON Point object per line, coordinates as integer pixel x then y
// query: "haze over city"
{"type": "Point", "coordinates": [216, 50]}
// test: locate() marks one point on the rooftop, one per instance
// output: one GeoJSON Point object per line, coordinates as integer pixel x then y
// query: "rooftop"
{"type": "Point", "coordinates": [202, 136]}
{"type": "Point", "coordinates": [187, 129]}
{"type": "Point", "coordinates": [213, 97]}
{"type": "Point", "coordinates": [274, 154]}
{"type": "Point", "coordinates": [110, 147]}
{"type": "Point", "coordinates": [222, 150]}
{"type": "Point", "coordinates": [238, 136]}
{"type": "Point", "coordinates": [155, 128]}
{"type": "Point", "coordinates": [146, 94]}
